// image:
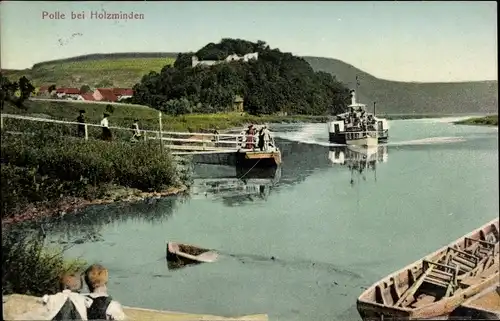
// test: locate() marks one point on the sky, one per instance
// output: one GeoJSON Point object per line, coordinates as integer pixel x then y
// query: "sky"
{"type": "Point", "coordinates": [403, 41]}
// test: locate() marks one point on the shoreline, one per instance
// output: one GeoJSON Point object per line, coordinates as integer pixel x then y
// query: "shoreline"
{"type": "Point", "coordinates": [489, 121]}
{"type": "Point", "coordinates": [73, 205]}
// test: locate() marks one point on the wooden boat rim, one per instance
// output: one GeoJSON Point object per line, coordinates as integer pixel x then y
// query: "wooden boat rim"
{"type": "Point", "coordinates": [409, 266]}
{"type": "Point", "coordinates": [186, 255]}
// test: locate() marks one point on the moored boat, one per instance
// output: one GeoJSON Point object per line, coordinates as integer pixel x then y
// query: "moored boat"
{"type": "Point", "coordinates": [436, 285]}
{"type": "Point", "coordinates": [185, 254]}
{"type": "Point", "coordinates": [259, 159]}
{"type": "Point", "coordinates": [268, 155]}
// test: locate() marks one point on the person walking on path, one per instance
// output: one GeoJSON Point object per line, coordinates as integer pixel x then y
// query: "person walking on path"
{"type": "Point", "coordinates": [137, 131]}
{"type": "Point", "coordinates": [81, 127]}
{"type": "Point", "coordinates": [106, 133]}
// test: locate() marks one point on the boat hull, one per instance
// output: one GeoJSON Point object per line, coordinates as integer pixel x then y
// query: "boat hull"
{"type": "Point", "coordinates": [339, 138]}
{"type": "Point", "coordinates": [179, 255]}
{"type": "Point", "coordinates": [407, 293]}
{"type": "Point", "coordinates": [438, 311]}
{"type": "Point", "coordinates": [258, 159]}
{"type": "Point", "coordinates": [366, 141]}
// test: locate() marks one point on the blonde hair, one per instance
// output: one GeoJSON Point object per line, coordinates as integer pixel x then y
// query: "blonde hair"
{"type": "Point", "coordinates": [96, 276]}
{"type": "Point", "coordinates": [70, 281]}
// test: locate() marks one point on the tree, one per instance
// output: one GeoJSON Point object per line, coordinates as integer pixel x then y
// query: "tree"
{"type": "Point", "coordinates": [84, 89]}
{"type": "Point", "coordinates": [16, 92]}
{"type": "Point", "coordinates": [25, 90]}
{"type": "Point", "coordinates": [52, 88]}
{"type": "Point", "coordinates": [7, 90]}
{"type": "Point", "coordinates": [184, 60]}
{"type": "Point", "coordinates": [275, 82]}
{"type": "Point", "coordinates": [110, 109]}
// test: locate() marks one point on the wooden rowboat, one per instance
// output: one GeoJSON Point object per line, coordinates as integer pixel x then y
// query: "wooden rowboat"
{"type": "Point", "coordinates": [436, 285]}
{"type": "Point", "coordinates": [179, 254]}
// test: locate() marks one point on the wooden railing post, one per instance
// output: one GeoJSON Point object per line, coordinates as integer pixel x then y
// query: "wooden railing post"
{"type": "Point", "coordinates": [160, 133]}
{"type": "Point", "coordinates": [86, 132]}
{"type": "Point", "coordinates": [1, 121]}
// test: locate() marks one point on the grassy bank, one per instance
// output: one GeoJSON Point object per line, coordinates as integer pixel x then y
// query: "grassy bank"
{"type": "Point", "coordinates": [121, 72]}
{"type": "Point", "coordinates": [28, 267]}
{"type": "Point", "coordinates": [491, 120]}
{"type": "Point", "coordinates": [46, 174]}
{"type": "Point", "coordinates": [124, 115]}
{"type": "Point", "coordinates": [49, 170]}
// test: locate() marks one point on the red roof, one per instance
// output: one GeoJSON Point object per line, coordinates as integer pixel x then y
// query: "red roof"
{"type": "Point", "coordinates": [87, 96]}
{"type": "Point", "coordinates": [107, 94]}
{"type": "Point", "coordinates": [123, 91]}
{"type": "Point", "coordinates": [70, 91]}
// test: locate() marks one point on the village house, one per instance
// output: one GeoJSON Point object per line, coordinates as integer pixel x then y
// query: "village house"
{"type": "Point", "coordinates": [123, 93]}
{"type": "Point", "coordinates": [68, 93]}
{"type": "Point", "coordinates": [44, 91]}
{"type": "Point", "coordinates": [105, 94]}
{"type": "Point", "coordinates": [86, 97]}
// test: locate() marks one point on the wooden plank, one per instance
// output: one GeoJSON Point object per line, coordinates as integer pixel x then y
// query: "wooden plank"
{"type": "Point", "coordinates": [208, 148]}
{"type": "Point", "coordinates": [480, 241]}
{"type": "Point", "coordinates": [411, 291]}
{"type": "Point", "coordinates": [436, 281]}
{"type": "Point", "coordinates": [451, 268]}
{"type": "Point", "coordinates": [467, 255]}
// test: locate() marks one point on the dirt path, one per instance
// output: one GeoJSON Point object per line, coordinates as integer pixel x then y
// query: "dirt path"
{"type": "Point", "coordinates": [17, 304]}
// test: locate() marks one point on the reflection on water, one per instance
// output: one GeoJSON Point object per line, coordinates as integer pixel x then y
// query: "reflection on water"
{"type": "Point", "coordinates": [87, 225]}
{"type": "Point", "coordinates": [241, 187]}
{"type": "Point", "coordinates": [358, 159]}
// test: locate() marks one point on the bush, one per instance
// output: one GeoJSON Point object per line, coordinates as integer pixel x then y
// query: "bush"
{"type": "Point", "coordinates": [45, 169]}
{"type": "Point", "coordinates": [29, 268]}
{"type": "Point", "coordinates": [139, 165]}
{"type": "Point", "coordinates": [26, 186]}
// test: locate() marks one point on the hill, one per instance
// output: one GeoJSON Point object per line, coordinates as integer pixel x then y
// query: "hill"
{"type": "Point", "coordinates": [115, 69]}
{"type": "Point", "coordinates": [237, 75]}
{"type": "Point", "coordinates": [127, 69]}
{"type": "Point", "coordinates": [413, 97]}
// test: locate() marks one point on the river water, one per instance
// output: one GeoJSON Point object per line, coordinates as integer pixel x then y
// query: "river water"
{"type": "Point", "coordinates": [332, 230]}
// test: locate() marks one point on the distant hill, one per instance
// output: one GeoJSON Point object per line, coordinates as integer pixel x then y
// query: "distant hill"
{"type": "Point", "coordinates": [126, 69]}
{"type": "Point", "coordinates": [413, 97]}
{"type": "Point", "coordinates": [120, 69]}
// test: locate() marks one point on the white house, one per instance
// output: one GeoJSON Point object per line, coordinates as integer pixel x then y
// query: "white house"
{"type": "Point", "coordinates": [234, 57]}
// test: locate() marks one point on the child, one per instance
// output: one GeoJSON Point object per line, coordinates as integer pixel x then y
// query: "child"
{"type": "Point", "coordinates": [103, 307]}
{"type": "Point", "coordinates": [68, 304]}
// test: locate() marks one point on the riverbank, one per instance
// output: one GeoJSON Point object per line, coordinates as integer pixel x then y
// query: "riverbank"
{"type": "Point", "coordinates": [491, 120]}
{"type": "Point", "coordinates": [53, 175]}
{"type": "Point", "coordinates": [15, 305]}
{"type": "Point", "coordinates": [72, 205]}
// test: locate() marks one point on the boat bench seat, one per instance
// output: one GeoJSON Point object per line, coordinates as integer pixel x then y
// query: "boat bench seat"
{"type": "Point", "coordinates": [441, 275]}
{"type": "Point", "coordinates": [465, 261]}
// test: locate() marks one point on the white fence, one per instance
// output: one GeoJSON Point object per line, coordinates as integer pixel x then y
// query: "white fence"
{"type": "Point", "coordinates": [194, 142]}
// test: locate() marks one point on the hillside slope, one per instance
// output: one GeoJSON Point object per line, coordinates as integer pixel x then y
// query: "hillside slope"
{"type": "Point", "coordinates": [126, 69]}
{"type": "Point", "coordinates": [117, 69]}
{"type": "Point", "coordinates": [407, 97]}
